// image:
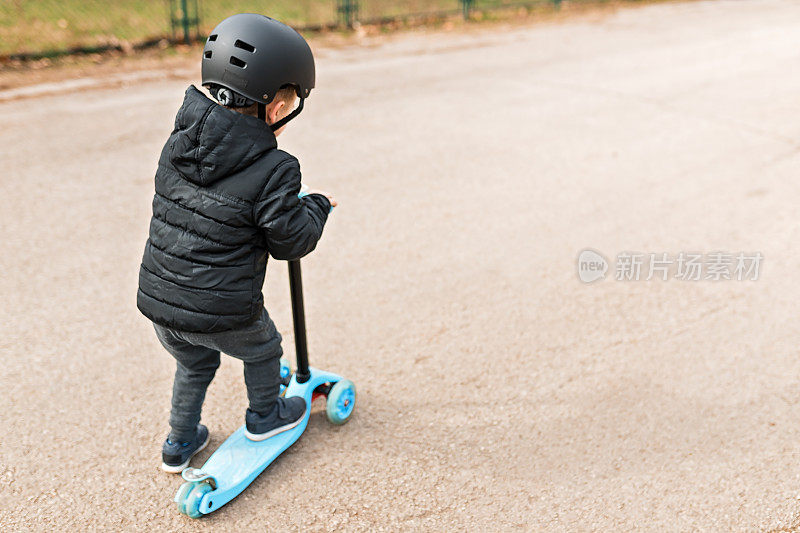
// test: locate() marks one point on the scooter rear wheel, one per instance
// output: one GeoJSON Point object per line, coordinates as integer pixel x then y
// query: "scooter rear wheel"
{"type": "Point", "coordinates": [189, 497]}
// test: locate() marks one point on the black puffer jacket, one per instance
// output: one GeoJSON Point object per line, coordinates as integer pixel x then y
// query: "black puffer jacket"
{"type": "Point", "coordinates": [225, 197]}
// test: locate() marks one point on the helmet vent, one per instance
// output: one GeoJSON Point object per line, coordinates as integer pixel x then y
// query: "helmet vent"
{"type": "Point", "coordinates": [244, 46]}
{"type": "Point", "coordinates": [212, 37]}
{"type": "Point", "coordinates": [237, 62]}
{"type": "Point", "coordinates": [208, 54]}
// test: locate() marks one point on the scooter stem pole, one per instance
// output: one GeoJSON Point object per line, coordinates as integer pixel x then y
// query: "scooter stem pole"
{"type": "Point", "coordinates": [299, 319]}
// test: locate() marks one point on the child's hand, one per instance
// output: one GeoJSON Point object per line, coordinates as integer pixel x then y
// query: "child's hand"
{"type": "Point", "coordinates": [327, 195]}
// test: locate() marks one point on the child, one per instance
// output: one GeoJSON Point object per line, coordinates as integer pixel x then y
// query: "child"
{"type": "Point", "coordinates": [225, 198]}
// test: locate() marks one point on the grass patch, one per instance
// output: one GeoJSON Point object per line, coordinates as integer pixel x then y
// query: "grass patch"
{"type": "Point", "coordinates": [52, 27]}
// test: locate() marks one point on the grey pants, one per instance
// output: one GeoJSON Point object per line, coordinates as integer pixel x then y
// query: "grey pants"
{"type": "Point", "coordinates": [197, 354]}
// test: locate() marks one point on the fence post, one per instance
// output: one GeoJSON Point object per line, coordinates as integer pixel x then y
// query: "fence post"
{"type": "Point", "coordinates": [348, 12]}
{"type": "Point", "coordinates": [181, 20]}
{"type": "Point", "coordinates": [466, 8]}
{"type": "Point", "coordinates": [185, 21]}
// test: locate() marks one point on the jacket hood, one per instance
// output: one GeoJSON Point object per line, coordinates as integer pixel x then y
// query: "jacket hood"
{"type": "Point", "coordinates": [210, 142]}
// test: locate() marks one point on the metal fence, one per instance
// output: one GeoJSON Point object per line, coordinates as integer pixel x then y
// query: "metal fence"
{"type": "Point", "coordinates": [40, 28]}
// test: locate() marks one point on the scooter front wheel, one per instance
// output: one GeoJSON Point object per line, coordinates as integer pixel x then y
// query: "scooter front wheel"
{"type": "Point", "coordinates": [341, 402]}
{"type": "Point", "coordinates": [286, 369]}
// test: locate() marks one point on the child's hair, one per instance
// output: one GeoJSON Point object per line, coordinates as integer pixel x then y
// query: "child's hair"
{"type": "Point", "coordinates": [287, 94]}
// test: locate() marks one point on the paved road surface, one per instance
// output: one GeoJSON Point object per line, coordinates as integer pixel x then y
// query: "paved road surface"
{"type": "Point", "coordinates": [496, 391]}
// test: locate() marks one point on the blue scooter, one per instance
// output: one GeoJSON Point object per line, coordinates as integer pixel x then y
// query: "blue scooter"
{"type": "Point", "coordinates": [238, 461]}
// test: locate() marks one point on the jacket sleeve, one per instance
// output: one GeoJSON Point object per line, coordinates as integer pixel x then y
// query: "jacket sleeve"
{"type": "Point", "coordinates": [292, 225]}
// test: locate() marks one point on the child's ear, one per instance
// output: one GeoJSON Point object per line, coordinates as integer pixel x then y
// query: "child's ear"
{"type": "Point", "coordinates": [275, 112]}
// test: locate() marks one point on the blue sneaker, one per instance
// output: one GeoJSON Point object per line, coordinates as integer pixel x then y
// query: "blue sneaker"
{"type": "Point", "coordinates": [285, 414]}
{"type": "Point", "coordinates": [176, 455]}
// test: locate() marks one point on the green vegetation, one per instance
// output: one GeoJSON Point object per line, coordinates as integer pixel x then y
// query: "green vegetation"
{"type": "Point", "coordinates": [53, 26]}
{"type": "Point", "coordinates": [44, 25]}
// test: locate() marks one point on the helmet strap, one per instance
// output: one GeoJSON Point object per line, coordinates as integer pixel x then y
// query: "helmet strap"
{"type": "Point", "coordinates": [282, 122]}
{"type": "Point", "coordinates": [262, 112]}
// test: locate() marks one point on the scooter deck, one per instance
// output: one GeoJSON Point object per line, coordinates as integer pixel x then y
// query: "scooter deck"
{"type": "Point", "coordinates": [238, 461]}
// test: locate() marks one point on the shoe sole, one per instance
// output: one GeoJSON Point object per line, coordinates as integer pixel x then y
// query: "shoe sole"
{"type": "Point", "coordinates": [169, 469]}
{"type": "Point", "coordinates": [264, 436]}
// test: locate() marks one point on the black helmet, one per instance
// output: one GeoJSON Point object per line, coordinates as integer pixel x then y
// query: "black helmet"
{"type": "Point", "coordinates": [249, 57]}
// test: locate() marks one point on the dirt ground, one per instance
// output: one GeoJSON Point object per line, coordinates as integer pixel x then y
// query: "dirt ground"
{"type": "Point", "coordinates": [496, 391]}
